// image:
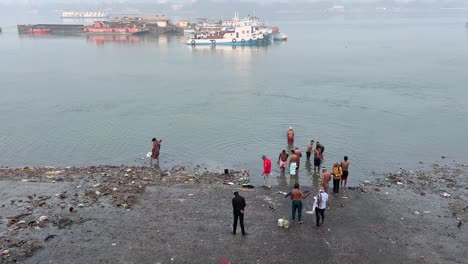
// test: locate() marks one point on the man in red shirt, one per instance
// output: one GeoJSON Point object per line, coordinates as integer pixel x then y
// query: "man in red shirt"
{"type": "Point", "coordinates": [266, 171]}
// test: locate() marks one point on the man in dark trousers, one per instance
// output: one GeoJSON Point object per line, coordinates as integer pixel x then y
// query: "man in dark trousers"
{"type": "Point", "coordinates": [238, 205]}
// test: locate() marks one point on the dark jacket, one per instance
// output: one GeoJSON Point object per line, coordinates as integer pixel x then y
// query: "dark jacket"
{"type": "Point", "coordinates": [238, 203]}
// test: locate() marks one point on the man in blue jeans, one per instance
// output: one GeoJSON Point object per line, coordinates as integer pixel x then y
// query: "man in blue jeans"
{"type": "Point", "coordinates": [321, 206]}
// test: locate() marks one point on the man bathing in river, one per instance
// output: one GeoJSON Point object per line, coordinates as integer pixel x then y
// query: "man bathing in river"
{"type": "Point", "coordinates": [282, 160]}
{"type": "Point", "coordinates": [155, 150]}
{"type": "Point", "coordinates": [266, 171]}
{"type": "Point", "coordinates": [293, 168]}
{"type": "Point", "coordinates": [326, 177]}
{"type": "Point", "coordinates": [290, 136]}
{"type": "Point", "coordinates": [310, 147]}
{"type": "Point", "coordinates": [317, 158]}
{"type": "Point", "coordinates": [344, 167]}
{"type": "Point", "coordinates": [299, 156]}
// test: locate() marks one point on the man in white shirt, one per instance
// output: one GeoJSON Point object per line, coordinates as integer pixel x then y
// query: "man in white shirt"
{"type": "Point", "coordinates": [321, 206]}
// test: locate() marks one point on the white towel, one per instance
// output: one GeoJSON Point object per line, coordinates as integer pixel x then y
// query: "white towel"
{"type": "Point", "coordinates": [292, 168]}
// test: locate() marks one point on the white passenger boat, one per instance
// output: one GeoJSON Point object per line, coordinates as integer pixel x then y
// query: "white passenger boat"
{"type": "Point", "coordinates": [239, 36]}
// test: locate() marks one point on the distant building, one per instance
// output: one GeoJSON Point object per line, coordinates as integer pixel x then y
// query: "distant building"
{"type": "Point", "coordinates": [160, 21]}
{"type": "Point", "coordinates": [183, 23]}
{"type": "Point", "coordinates": [226, 23]}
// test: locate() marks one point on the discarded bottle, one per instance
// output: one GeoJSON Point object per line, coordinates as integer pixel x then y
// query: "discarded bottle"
{"type": "Point", "coordinates": [280, 222]}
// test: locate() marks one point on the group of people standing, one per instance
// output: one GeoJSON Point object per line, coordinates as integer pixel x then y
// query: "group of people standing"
{"type": "Point", "coordinates": [339, 175]}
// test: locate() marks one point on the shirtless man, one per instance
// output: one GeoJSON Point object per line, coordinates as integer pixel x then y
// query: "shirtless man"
{"type": "Point", "coordinates": [290, 136]}
{"type": "Point", "coordinates": [344, 167]}
{"type": "Point", "coordinates": [310, 146]}
{"type": "Point", "coordinates": [317, 159]}
{"type": "Point", "coordinates": [326, 177]}
{"type": "Point", "coordinates": [282, 160]}
{"type": "Point", "coordinates": [299, 156]}
{"type": "Point", "coordinates": [293, 159]}
{"type": "Point", "coordinates": [322, 148]}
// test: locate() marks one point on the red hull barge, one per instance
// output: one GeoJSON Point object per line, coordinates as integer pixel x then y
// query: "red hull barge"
{"type": "Point", "coordinates": [101, 29]}
{"type": "Point", "coordinates": [38, 31]}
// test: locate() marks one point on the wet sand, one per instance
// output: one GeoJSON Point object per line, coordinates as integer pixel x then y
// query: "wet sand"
{"type": "Point", "coordinates": [136, 215]}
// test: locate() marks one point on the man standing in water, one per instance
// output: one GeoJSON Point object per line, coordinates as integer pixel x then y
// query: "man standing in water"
{"type": "Point", "coordinates": [155, 150]}
{"type": "Point", "coordinates": [310, 146]}
{"type": "Point", "coordinates": [299, 156]}
{"type": "Point", "coordinates": [266, 171]}
{"type": "Point", "coordinates": [326, 177]}
{"type": "Point", "coordinates": [290, 136]}
{"type": "Point", "coordinates": [293, 169]}
{"type": "Point", "coordinates": [321, 206]}
{"type": "Point", "coordinates": [282, 160]}
{"type": "Point", "coordinates": [238, 205]}
{"type": "Point", "coordinates": [344, 167]}
{"type": "Point", "coordinates": [317, 158]}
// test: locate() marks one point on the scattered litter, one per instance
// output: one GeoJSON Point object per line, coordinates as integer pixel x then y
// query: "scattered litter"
{"type": "Point", "coordinates": [128, 170]}
{"type": "Point", "coordinates": [43, 218]}
{"type": "Point", "coordinates": [271, 208]}
{"type": "Point", "coordinates": [96, 185]}
{"type": "Point", "coordinates": [344, 197]}
{"type": "Point", "coordinates": [280, 222]}
{"type": "Point", "coordinates": [79, 186]}
{"type": "Point", "coordinates": [80, 205]}
{"type": "Point", "coordinates": [181, 200]}
{"type": "Point", "coordinates": [229, 183]}
{"type": "Point", "coordinates": [377, 189]}
{"type": "Point", "coordinates": [98, 193]}
{"type": "Point", "coordinates": [24, 180]}
{"type": "Point", "coordinates": [283, 193]}
{"type": "Point", "coordinates": [446, 195]}
{"type": "Point", "coordinates": [114, 244]}
{"type": "Point", "coordinates": [71, 209]}
{"type": "Point", "coordinates": [366, 182]}
{"type": "Point", "coordinates": [399, 183]}
{"type": "Point", "coordinates": [249, 186]}
{"type": "Point", "coordinates": [49, 237]}
{"type": "Point", "coordinates": [427, 212]}
{"type": "Point", "coordinates": [190, 194]}
{"type": "Point", "coordinates": [423, 193]}
{"type": "Point", "coordinates": [148, 154]}
{"type": "Point", "coordinates": [416, 212]}
{"type": "Point", "coordinates": [6, 253]}
{"type": "Point", "coordinates": [386, 193]}
{"type": "Point", "coordinates": [114, 189]}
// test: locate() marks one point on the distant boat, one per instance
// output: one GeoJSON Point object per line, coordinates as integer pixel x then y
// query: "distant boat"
{"type": "Point", "coordinates": [280, 37]}
{"type": "Point", "coordinates": [239, 36]}
{"type": "Point", "coordinates": [86, 14]}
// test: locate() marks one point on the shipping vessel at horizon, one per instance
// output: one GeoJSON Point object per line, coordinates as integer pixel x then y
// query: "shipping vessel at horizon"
{"type": "Point", "coordinates": [84, 14]}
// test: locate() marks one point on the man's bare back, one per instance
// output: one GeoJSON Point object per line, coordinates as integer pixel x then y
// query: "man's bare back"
{"type": "Point", "coordinates": [344, 165]}
{"type": "Point", "coordinates": [326, 177]}
{"type": "Point", "coordinates": [293, 158]}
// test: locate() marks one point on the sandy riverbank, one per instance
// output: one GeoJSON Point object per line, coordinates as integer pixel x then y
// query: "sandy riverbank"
{"type": "Point", "coordinates": [110, 214]}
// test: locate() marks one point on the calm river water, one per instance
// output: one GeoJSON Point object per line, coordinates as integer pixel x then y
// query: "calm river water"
{"type": "Point", "coordinates": [387, 92]}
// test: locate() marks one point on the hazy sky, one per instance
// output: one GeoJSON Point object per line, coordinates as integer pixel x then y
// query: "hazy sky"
{"type": "Point", "coordinates": [39, 2]}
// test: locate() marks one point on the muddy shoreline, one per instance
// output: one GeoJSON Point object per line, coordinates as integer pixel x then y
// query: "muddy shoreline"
{"type": "Point", "coordinates": [136, 214]}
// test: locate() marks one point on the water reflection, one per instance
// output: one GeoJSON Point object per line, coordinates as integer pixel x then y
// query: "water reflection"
{"type": "Point", "coordinates": [146, 39]}
{"type": "Point", "coordinates": [101, 40]}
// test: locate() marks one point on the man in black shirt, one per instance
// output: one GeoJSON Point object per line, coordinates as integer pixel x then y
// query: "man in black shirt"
{"type": "Point", "coordinates": [238, 205]}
